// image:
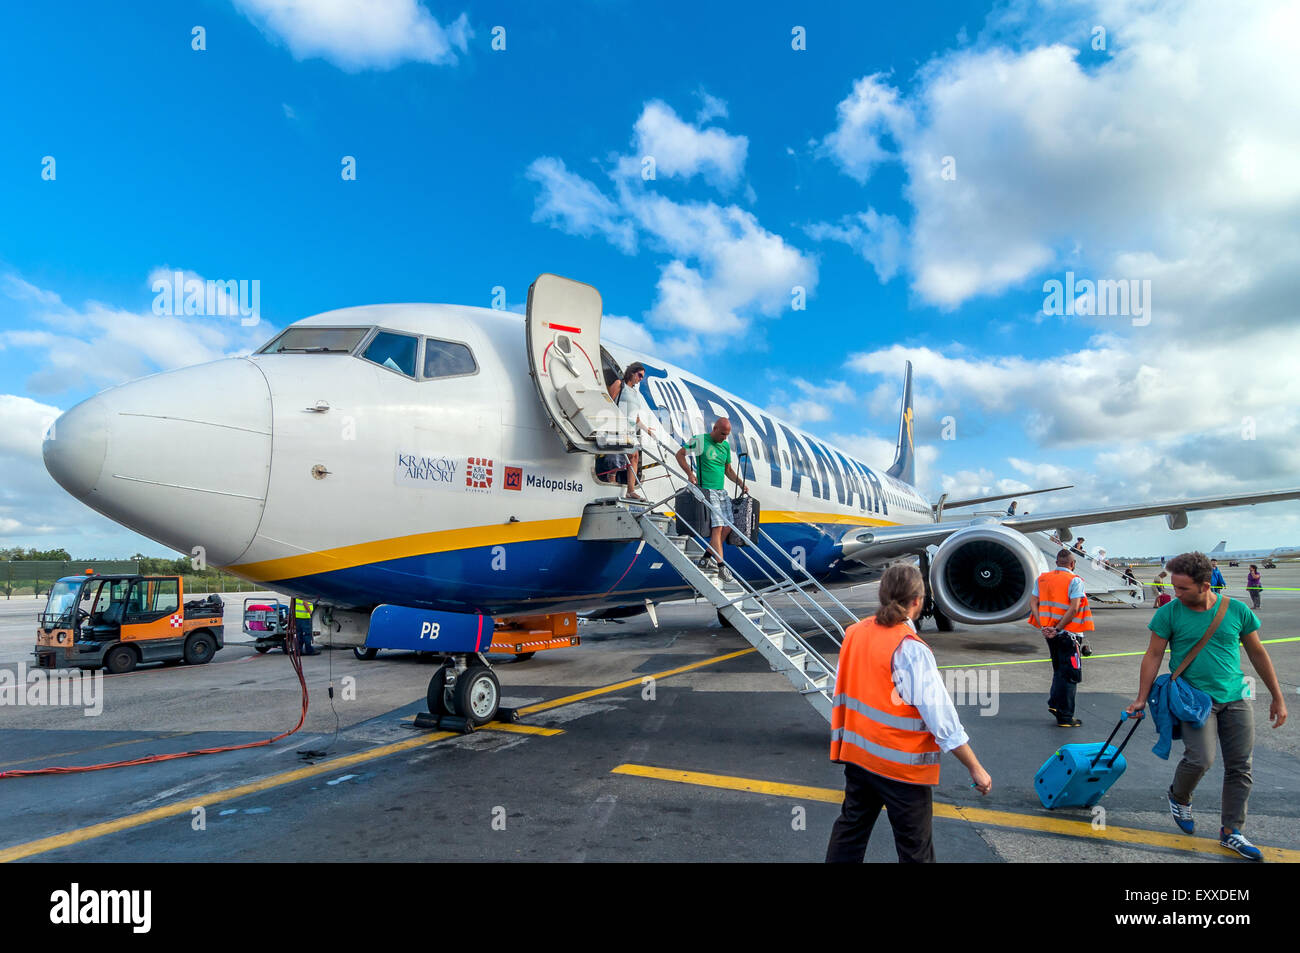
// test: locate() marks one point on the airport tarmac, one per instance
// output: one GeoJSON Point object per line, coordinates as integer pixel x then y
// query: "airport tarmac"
{"type": "Point", "coordinates": [643, 744]}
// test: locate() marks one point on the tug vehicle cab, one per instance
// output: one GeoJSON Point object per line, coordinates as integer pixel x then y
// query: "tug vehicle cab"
{"type": "Point", "coordinates": [115, 622]}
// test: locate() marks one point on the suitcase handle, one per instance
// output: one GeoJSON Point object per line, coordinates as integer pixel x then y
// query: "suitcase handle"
{"type": "Point", "coordinates": [1137, 719]}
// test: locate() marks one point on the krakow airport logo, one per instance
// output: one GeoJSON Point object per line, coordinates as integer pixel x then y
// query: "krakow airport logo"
{"type": "Point", "coordinates": [177, 295]}
{"type": "Point", "coordinates": [53, 688]}
{"type": "Point", "coordinates": [1104, 297]}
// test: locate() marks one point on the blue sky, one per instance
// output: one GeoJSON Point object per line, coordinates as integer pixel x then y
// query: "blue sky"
{"type": "Point", "coordinates": [920, 173]}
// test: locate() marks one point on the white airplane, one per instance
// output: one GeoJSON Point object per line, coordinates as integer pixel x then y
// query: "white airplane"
{"type": "Point", "coordinates": [1220, 551]}
{"type": "Point", "coordinates": [435, 464]}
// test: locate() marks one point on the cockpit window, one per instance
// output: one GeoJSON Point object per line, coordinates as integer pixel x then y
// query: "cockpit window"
{"type": "Point", "coordinates": [310, 340]}
{"type": "Point", "coordinates": [393, 351]}
{"type": "Point", "coordinates": [447, 359]}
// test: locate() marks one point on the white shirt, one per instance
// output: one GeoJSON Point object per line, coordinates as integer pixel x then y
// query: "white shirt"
{"type": "Point", "coordinates": [916, 676]}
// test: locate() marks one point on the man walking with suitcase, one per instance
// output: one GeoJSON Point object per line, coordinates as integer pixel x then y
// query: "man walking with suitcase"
{"type": "Point", "coordinates": [1182, 625]}
{"type": "Point", "coordinates": [1059, 608]}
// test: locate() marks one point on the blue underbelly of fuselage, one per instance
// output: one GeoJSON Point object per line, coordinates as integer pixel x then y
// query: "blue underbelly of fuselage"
{"type": "Point", "coordinates": [550, 575]}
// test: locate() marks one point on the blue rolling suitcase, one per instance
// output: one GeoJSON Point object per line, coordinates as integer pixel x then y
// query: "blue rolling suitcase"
{"type": "Point", "coordinates": [1079, 775]}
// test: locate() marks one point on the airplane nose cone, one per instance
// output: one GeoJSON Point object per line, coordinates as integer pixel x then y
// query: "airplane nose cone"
{"type": "Point", "coordinates": [75, 446]}
{"type": "Point", "coordinates": [182, 457]}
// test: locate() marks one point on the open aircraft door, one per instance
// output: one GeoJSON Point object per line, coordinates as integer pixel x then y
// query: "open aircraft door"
{"type": "Point", "coordinates": [563, 329]}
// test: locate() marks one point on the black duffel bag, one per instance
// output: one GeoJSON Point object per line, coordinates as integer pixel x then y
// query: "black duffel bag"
{"type": "Point", "coordinates": [691, 512]}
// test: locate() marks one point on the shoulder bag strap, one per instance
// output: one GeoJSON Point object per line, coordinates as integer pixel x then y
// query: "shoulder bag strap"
{"type": "Point", "coordinates": [1218, 617]}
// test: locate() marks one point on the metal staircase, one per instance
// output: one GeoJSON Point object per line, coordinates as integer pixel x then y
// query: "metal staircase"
{"type": "Point", "coordinates": [748, 601]}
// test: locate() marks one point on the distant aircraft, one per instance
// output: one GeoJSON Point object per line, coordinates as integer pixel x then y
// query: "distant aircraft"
{"type": "Point", "coordinates": [442, 458]}
{"type": "Point", "coordinates": [1220, 551]}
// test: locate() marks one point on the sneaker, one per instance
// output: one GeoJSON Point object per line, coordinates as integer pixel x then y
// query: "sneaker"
{"type": "Point", "coordinates": [706, 563]}
{"type": "Point", "coordinates": [723, 575]}
{"type": "Point", "coordinates": [1182, 814]}
{"type": "Point", "coordinates": [1236, 840]}
{"type": "Point", "coordinates": [1051, 708]}
{"type": "Point", "coordinates": [1068, 723]}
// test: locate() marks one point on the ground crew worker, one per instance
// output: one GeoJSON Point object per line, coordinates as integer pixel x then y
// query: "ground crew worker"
{"type": "Point", "coordinates": [891, 719]}
{"type": "Point", "coordinates": [1059, 608]}
{"type": "Point", "coordinates": [302, 624]}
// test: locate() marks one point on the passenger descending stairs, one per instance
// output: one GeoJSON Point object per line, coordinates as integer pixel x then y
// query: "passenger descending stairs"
{"type": "Point", "coordinates": [750, 610]}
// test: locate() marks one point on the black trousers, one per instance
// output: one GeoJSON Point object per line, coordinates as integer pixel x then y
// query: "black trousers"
{"type": "Point", "coordinates": [1064, 675]}
{"type": "Point", "coordinates": [911, 814]}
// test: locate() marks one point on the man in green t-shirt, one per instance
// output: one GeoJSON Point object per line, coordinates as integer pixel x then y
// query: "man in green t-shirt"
{"type": "Point", "coordinates": [712, 454]}
{"type": "Point", "coordinates": [1216, 670]}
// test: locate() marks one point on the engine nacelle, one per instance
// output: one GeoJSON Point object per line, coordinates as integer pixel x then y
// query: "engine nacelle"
{"type": "Point", "coordinates": [982, 575]}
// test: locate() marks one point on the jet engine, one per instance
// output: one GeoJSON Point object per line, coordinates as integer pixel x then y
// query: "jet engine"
{"type": "Point", "coordinates": [984, 574]}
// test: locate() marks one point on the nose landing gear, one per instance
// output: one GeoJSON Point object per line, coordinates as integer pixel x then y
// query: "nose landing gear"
{"type": "Point", "coordinates": [465, 690]}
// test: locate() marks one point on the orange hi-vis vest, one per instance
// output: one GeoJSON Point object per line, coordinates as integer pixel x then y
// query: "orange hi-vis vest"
{"type": "Point", "coordinates": [1054, 603]}
{"type": "Point", "coordinates": [870, 724]}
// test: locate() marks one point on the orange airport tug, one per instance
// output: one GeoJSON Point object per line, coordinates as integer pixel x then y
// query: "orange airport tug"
{"type": "Point", "coordinates": [116, 622]}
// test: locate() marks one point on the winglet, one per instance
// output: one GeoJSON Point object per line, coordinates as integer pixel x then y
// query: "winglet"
{"type": "Point", "coordinates": [904, 467]}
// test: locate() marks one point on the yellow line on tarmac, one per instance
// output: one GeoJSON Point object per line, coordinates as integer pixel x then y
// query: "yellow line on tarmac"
{"type": "Point", "coordinates": [524, 729]}
{"type": "Point", "coordinates": [1091, 658]}
{"type": "Point", "coordinates": [83, 834]}
{"type": "Point", "coordinates": [975, 815]}
{"type": "Point", "coordinates": [583, 696]}
{"type": "Point", "coordinates": [80, 835]}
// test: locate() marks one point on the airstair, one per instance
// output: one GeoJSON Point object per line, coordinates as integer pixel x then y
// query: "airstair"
{"type": "Point", "coordinates": [562, 330]}
{"type": "Point", "coordinates": [762, 579]}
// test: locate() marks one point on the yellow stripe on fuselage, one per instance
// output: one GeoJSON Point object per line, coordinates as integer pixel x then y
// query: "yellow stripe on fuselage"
{"type": "Point", "coordinates": [421, 544]}
{"type": "Point", "coordinates": [474, 537]}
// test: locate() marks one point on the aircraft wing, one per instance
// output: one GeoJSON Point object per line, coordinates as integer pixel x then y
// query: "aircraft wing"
{"type": "Point", "coordinates": [876, 544]}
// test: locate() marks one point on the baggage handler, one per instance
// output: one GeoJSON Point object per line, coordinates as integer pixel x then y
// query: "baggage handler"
{"type": "Point", "coordinates": [302, 626]}
{"type": "Point", "coordinates": [1059, 608]}
{"type": "Point", "coordinates": [891, 719]}
{"type": "Point", "coordinates": [1216, 670]}
{"type": "Point", "coordinates": [711, 474]}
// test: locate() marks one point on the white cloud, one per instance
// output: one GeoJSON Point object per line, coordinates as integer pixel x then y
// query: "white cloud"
{"type": "Point", "coordinates": [681, 150]}
{"type": "Point", "coordinates": [576, 206]}
{"type": "Point", "coordinates": [813, 403]}
{"type": "Point", "coordinates": [98, 345]}
{"type": "Point", "coordinates": [30, 502]}
{"type": "Point", "coordinates": [1115, 390]}
{"type": "Point", "coordinates": [724, 269]}
{"type": "Point", "coordinates": [1164, 160]}
{"type": "Point", "coordinates": [711, 107]}
{"type": "Point", "coordinates": [623, 330]}
{"type": "Point", "coordinates": [871, 113]}
{"type": "Point", "coordinates": [879, 239]}
{"type": "Point", "coordinates": [377, 34]}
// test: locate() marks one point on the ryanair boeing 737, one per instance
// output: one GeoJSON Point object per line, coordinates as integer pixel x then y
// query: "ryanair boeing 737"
{"type": "Point", "coordinates": [434, 468]}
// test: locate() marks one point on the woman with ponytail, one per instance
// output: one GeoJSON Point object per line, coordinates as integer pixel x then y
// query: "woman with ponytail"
{"type": "Point", "coordinates": [890, 720]}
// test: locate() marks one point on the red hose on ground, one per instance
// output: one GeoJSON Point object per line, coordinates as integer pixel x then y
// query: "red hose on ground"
{"type": "Point", "coordinates": [294, 659]}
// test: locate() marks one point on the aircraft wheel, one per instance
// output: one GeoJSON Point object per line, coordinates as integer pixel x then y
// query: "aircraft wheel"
{"type": "Point", "coordinates": [478, 694]}
{"type": "Point", "coordinates": [120, 659]}
{"type": "Point", "coordinates": [364, 654]}
{"type": "Point", "coordinates": [199, 648]}
{"type": "Point", "coordinates": [436, 695]}
{"type": "Point", "coordinates": [262, 649]}
{"type": "Point", "coordinates": [524, 656]}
